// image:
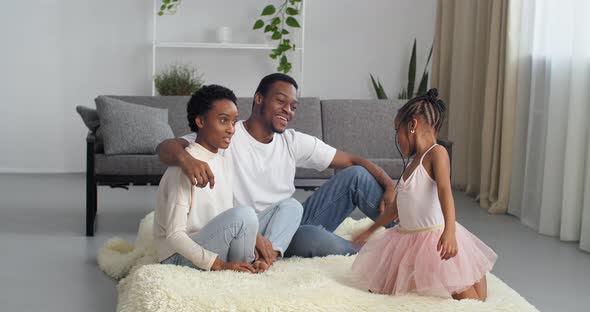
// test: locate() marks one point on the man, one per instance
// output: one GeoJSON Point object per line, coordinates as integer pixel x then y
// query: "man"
{"type": "Point", "coordinates": [265, 155]}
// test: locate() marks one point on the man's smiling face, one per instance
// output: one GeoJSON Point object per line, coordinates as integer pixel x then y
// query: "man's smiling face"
{"type": "Point", "coordinates": [279, 105]}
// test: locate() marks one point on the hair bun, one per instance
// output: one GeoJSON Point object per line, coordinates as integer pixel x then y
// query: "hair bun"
{"type": "Point", "coordinates": [440, 105]}
{"type": "Point", "coordinates": [432, 95]}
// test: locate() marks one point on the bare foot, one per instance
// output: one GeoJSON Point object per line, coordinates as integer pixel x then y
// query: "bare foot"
{"type": "Point", "coordinates": [260, 266]}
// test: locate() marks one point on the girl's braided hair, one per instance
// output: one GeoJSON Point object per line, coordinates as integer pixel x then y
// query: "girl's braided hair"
{"type": "Point", "coordinates": [427, 105]}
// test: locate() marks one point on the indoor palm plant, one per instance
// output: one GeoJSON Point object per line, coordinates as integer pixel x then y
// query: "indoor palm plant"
{"type": "Point", "coordinates": [408, 91]}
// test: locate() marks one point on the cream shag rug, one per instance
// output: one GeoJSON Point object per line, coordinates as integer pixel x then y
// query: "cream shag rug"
{"type": "Point", "coordinates": [297, 284]}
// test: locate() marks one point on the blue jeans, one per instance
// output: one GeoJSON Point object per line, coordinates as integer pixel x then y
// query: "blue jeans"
{"type": "Point", "coordinates": [327, 207]}
{"type": "Point", "coordinates": [279, 222]}
{"type": "Point", "coordinates": [231, 235]}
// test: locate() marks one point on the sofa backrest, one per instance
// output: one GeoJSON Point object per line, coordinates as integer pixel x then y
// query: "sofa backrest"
{"type": "Point", "coordinates": [361, 127]}
{"type": "Point", "coordinates": [307, 119]}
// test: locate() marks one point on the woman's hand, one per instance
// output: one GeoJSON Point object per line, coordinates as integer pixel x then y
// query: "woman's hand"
{"type": "Point", "coordinates": [260, 266]}
{"type": "Point", "coordinates": [264, 250]}
{"type": "Point", "coordinates": [220, 265]}
{"type": "Point", "coordinates": [447, 245]}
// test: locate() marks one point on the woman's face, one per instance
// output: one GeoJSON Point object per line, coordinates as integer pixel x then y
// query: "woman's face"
{"type": "Point", "coordinates": [217, 126]}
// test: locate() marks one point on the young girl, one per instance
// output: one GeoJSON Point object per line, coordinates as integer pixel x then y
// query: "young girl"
{"type": "Point", "coordinates": [428, 252]}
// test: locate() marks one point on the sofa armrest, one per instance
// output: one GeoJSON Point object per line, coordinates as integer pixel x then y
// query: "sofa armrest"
{"type": "Point", "coordinates": [90, 152]}
{"type": "Point", "coordinates": [91, 138]}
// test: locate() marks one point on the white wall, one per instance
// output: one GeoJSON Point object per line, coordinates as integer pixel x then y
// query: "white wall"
{"type": "Point", "coordinates": [57, 54]}
{"type": "Point", "coordinates": [362, 37]}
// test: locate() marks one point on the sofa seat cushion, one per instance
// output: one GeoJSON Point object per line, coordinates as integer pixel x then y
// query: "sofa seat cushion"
{"type": "Point", "coordinates": [151, 165]}
{"type": "Point", "coordinates": [305, 173]}
{"type": "Point", "coordinates": [128, 165]}
{"type": "Point", "coordinates": [393, 167]}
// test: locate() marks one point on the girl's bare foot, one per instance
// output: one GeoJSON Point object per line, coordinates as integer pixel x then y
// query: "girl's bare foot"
{"type": "Point", "coordinates": [470, 293]}
{"type": "Point", "coordinates": [260, 266]}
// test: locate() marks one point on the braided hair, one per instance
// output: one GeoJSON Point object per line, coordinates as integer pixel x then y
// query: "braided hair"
{"type": "Point", "coordinates": [428, 106]}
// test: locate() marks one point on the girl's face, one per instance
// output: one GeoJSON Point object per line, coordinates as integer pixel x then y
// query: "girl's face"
{"type": "Point", "coordinates": [402, 132]}
{"type": "Point", "coordinates": [217, 126]}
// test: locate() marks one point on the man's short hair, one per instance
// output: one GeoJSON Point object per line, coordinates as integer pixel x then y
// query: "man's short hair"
{"type": "Point", "coordinates": [267, 82]}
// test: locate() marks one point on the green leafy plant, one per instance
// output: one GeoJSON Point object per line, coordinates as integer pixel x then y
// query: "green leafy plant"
{"type": "Point", "coordinates": [178, 80]}
{"type": "Point", "coordinates": [277, 20]}
{"type": "Point", "coordinates": [168, 7]}
{"type": "Point", "coordinates": [408, 91]}
{"type": "Point", "coordinates": [378, 89]}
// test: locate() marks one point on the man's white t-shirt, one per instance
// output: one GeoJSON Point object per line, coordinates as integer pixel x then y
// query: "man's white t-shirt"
{"type": "Point", "coordinates": [263, 174]}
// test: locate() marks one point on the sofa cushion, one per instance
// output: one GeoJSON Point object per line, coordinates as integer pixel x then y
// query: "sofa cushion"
{"type": "Point", "coordinates": [393, 167]}
{"type": "Point", "coordinates": [128, 165]}
{"type": "Point", "coordinates": [89, 117]}
{"type": "Point", "coordinates": [306, 173]}
{"type": "Point", "coordinates": [361, 127]}
{"type": "Point", "coordinates": [176, 106]}
{"type": "Point", "coordinates": [131, 129]}
{"type": "Point", "coordinates": [151, 165]}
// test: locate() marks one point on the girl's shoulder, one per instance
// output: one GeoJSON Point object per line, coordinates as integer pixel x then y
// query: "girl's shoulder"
{"type": "Point", "coordinates": [435, 158]}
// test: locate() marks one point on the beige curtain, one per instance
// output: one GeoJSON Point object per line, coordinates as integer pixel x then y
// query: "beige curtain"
{"type": "Point", "coordinates": [474, 68]}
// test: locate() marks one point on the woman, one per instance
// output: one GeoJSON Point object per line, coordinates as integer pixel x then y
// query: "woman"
{"type": "Point", "coordinates": [197, 227]}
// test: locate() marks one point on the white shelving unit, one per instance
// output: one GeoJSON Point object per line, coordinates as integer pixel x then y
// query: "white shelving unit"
{"type": "Point", "coordinates": [156, 45]}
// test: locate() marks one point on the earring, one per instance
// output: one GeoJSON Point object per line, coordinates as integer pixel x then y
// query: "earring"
{"type": "Point", "coordinates": [412, 131]}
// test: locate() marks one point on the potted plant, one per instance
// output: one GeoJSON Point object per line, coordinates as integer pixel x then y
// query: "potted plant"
{"type": "Point", "coordinates": [178, 80]}
{"type": "Point", "coordinates": [408, 91]}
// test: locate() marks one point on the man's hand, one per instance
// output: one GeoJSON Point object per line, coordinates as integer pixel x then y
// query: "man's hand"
{"type": "Point", "coordinates": [387, 200]}
{"type": "Point", "coordinates": [447, 245]}
{"type": "Point", "coordinates": [198, 172]}
{"type": "Point", "coordinates": [264, 249]}
{"type": "Point", "coordinates": [220, 265]}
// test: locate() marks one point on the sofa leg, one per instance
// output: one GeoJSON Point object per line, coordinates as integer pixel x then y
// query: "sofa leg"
{"type": "Point", "coordinates": [90, 207]}
{"type": "Point", "coordinates": [91, 189]}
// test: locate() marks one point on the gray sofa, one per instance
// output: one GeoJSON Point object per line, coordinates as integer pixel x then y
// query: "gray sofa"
{"type": "Point", "coordinates": [361, 127]}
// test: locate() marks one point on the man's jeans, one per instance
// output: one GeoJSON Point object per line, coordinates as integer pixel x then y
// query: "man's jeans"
{"type": "Point", "coordinates": [279, 222]}
{"type": "Point", "coordinates": [327, 207]}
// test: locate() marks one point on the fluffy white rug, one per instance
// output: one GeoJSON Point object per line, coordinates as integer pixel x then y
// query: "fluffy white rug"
{"type": "Point", "coordinates": [318, 284]}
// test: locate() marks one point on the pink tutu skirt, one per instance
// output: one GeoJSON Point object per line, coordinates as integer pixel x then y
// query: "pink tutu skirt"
{"type": "Point", "coordinates": [396, 263]}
